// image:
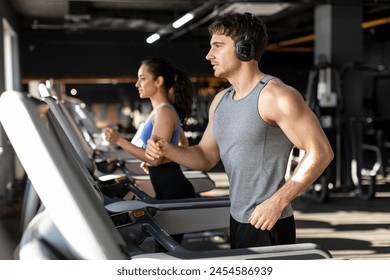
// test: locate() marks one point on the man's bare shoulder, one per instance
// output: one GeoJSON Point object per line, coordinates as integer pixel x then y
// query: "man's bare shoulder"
{"type": "Point", "coordinates": [278, 99]}
{"type": "Point", "coordinates": [215, 102]}
{"type": "Point", "coordinates": [277, 87]}
{"type": "Point", "coordinates": [222, 92]}
{"type": "Point", "coordinates": [219, 96]}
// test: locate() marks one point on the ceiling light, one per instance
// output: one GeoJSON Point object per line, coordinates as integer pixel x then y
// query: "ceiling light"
{"type": "Point", "coordinates": [153, 38]}
{"type": "Point", "coordinates": [183, 20]}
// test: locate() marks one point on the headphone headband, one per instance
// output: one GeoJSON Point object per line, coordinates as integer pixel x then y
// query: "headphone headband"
{"type": "Point", "coordinates": [249, 18]}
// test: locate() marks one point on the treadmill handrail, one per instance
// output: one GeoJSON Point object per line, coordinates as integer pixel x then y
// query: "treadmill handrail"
{"type": "Point", "coordinates": [173, 204]}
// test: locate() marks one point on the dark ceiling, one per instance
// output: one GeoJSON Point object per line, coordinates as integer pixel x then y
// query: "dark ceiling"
{"type": "Point", "coordinates": [142, 18]}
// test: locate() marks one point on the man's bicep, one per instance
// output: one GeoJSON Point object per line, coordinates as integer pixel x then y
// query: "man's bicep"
{"type": "Point", "coordinates": [302, 128]}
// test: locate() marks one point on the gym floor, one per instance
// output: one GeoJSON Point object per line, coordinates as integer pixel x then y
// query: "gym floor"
{"type": "Point", "coordinates": [347, 226]}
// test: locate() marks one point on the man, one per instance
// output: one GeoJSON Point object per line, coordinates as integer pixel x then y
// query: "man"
{"type": "Point", "coordinates": [252, 128]}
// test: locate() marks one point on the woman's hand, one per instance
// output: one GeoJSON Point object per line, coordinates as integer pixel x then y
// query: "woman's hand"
{"type": "Point", "coordinates": [145, 167]}
{"type": "Point", "coordinates": [112, 135]}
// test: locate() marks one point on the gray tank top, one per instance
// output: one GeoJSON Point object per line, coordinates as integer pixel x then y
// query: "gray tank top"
{"type": "Point", "coordinates": [254, 153]}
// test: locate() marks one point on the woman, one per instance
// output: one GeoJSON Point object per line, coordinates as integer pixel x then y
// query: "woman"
{"type": "Point", "coordinates": [170, 92]}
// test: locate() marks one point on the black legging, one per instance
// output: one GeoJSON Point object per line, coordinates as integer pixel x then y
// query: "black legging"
{"type": "Point", "coordinates": [169, 182]}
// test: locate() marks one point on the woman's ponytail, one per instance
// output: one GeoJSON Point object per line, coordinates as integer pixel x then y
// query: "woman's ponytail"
{"type": "Point", "coordinates": [181, 95]}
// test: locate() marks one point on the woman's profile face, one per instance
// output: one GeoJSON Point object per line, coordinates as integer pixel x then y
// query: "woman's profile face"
{"type": "Point", "coordinates": [145, 84]}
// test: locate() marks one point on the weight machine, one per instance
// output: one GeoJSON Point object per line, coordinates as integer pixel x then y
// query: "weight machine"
{"type": "Point", "coordinates": [357, 162]}
{"type": "Point", "coordinates": [324, 97]}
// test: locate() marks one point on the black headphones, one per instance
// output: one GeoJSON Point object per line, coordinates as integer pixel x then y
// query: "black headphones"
{"type": "Point", "coordinates": [245, 46]}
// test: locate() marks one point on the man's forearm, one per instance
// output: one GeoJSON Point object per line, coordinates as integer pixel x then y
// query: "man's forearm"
{"type": "Point", "coordinates": [307, 171]}
{"type": "Point", "coordinates": [191, 157]}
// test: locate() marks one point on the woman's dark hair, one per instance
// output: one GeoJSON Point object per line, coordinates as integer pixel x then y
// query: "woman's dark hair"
{"type": "Point", "coordinates": [235, 25]}
{"type": "Point", "coordinates": [176, 83]}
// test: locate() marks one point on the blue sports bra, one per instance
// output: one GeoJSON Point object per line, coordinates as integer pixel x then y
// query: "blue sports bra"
{"type": "Point", "coordinates": [148, 128]}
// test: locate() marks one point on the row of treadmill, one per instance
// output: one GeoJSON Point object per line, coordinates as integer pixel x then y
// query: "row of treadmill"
{"type": "Point", "coordinates": [84, 200]}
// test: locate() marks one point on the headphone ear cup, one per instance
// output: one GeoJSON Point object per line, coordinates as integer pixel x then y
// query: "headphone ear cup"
{"type": "Point", "coordinates": [245, 49]}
